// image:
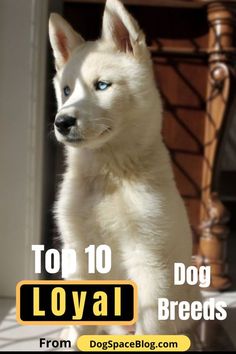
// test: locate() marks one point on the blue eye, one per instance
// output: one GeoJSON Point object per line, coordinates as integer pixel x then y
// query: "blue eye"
{"type": "Point", "coordinates": [102, 85]}
{"type": "Point", "coordinates": [66, 91]}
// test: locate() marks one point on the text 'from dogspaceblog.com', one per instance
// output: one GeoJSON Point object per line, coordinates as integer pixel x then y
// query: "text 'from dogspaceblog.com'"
{"type": "Point", "coordinates": [102, 301]}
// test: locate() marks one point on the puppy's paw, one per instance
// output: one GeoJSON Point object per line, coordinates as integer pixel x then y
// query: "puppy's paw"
{"type": "Point", "coordinates": [70, 333]}
{"type": "Point", "coordinates": [116, 330]}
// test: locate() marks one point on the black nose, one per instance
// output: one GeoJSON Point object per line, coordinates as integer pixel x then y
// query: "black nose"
{"type": "Point", "coordinates": [64, 123]}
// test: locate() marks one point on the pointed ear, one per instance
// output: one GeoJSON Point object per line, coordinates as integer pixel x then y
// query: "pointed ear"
{"type": "Point", "coordinates": [63, 39]}
{"type": "Point", "coordinates": [121, 28]}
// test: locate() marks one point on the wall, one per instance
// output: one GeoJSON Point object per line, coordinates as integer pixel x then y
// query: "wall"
{"type": "Point", "coordinates": [23, 38]}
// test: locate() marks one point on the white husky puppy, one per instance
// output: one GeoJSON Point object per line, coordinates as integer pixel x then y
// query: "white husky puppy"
{"type": "Point", "coordinates": [118, 188]}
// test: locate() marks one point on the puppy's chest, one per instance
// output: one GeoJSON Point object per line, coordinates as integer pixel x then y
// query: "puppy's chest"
{"type": "Point", "coordinates": [109, 207]}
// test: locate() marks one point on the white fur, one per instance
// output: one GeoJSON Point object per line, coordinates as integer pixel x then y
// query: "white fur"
{"type": "Point", "coordinates": [118, 188]}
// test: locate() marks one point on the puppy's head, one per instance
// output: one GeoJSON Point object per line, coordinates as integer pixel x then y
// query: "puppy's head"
{"type": "Point", "coordinates": [100, 86]}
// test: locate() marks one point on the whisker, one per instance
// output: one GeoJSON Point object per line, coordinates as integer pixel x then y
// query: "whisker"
{"type": "Point", "coordinates": [102, 119]}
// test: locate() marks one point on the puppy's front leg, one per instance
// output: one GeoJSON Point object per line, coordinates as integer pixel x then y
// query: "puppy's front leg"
{"type": "Point", "coordinates": [73, 332]}
{"type": "Point", "coordinates": [150, 287]}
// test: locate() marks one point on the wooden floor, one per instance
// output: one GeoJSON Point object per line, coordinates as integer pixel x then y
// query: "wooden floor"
{"type": "Point", "coordinates": [209, 335]}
